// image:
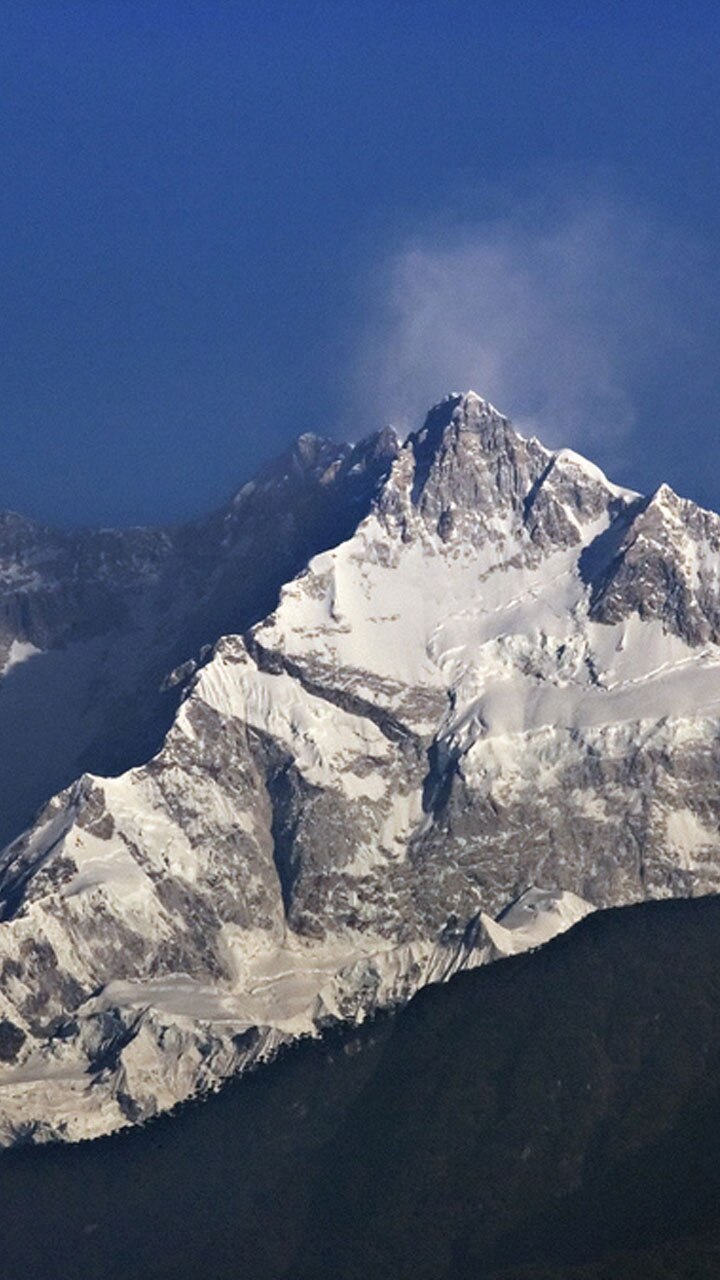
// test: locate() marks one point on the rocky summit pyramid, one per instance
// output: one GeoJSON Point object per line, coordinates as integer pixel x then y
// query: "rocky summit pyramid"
{"type": "Point", "coordinates": [469, 691]}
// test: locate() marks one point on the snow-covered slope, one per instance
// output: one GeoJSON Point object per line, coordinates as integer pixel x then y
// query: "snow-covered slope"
{"type": "Point", "coordinates": [501, 687]}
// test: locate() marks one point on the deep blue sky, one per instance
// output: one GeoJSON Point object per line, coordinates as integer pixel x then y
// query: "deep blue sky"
{"type": "Point", "coordinates": [207, 211]}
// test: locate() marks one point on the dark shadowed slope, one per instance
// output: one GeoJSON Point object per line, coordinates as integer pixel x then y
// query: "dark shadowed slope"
{"type": "Point", "coordinates": [557, 1114]}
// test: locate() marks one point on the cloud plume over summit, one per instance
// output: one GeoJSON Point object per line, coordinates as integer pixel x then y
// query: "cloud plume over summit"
{"type": "Point", "coordinates": [561, 321]}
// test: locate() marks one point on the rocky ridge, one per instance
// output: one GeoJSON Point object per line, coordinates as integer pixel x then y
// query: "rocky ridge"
{"type": "Point", "coordinates": [500, 671]}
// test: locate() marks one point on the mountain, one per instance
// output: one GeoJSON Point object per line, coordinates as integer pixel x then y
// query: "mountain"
{"type": "Point", "coordinates": [553, 1116]}
{"type": "Point", "coordinates": [114, 620]}
{"type": "Point", "coordinates": [494, 683]}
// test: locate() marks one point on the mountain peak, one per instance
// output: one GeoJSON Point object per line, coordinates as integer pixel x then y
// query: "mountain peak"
{"type": "Point", "coordinates": [468, 403]}
{"type": "Point", "coordinates": [455, 413]}
{"type": "Point", "coordinates": [476, 407]}
{"type": "Point", "coordinates": [467, 476]}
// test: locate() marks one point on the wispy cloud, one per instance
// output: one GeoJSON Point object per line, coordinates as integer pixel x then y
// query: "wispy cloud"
{"type": "Point", "coordinates": [556, 319]}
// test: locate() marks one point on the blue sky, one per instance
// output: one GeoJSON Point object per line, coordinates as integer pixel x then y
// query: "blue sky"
{"type": "Point", "coordinates": [224, 224]}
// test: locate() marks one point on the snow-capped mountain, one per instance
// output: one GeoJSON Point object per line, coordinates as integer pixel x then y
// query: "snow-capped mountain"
{"type": "Point", "coordinates": [496, 682]}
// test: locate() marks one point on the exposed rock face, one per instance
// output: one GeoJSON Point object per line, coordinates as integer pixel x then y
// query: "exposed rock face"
{"type": "Point", "coordinates": [502, 672]}
{"type": "Point", "coordinates": [666, 566]}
